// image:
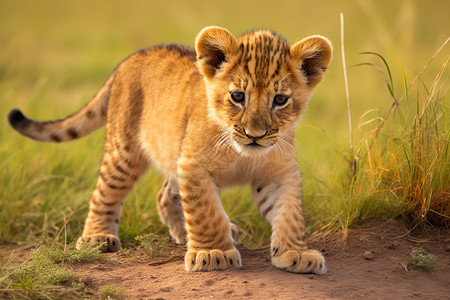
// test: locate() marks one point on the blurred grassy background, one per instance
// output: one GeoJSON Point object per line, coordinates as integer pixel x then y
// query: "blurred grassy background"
{"type": "Point", "coordinates": [55, 55]}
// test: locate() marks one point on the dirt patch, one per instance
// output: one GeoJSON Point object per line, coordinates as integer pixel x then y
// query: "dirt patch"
{"type": "Point", "coordinates": [370, 263]}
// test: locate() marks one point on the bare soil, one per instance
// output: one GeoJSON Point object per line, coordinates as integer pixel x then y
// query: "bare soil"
{"type": "Point", "coordinates": [370, 263]}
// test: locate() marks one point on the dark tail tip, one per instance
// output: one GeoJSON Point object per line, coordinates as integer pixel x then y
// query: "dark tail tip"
{"type": "Point", "coordinates": [17, 119]}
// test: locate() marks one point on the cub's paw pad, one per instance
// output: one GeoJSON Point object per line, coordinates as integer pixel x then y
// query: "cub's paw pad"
{"type": "Point", "coordinates": [111, 243]}
{"type": "Point", "coordinates": [210, 260]}
{"type": "Point", "coordinates": [307, 261]}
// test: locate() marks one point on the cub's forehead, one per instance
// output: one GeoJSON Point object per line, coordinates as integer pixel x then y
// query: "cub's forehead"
{"type": "Point", "coordinates": [264, 39]}
{"type": "Point", "coordinates": [263, 55]}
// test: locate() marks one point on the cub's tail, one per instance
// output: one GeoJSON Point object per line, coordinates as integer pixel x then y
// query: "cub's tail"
{"type": "Point", "coordinates": [88, 119]}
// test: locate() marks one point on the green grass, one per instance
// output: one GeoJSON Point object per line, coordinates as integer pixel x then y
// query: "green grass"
{"type": "Point", "coordinates": [46, 274]}
{"type": "Point", "coordinates": [56, 55]}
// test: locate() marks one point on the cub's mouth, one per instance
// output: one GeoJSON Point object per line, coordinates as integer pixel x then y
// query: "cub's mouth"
{"type": "Point", "coordinates": [253, 147]}
{"type": "Point", "coordinates": [246, 144]}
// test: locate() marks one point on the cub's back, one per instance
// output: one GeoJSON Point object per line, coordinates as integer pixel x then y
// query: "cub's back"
{"type": "Point", "coordinates": [155, 92]}
{"type": "Point", "coordinates": [160, 71]}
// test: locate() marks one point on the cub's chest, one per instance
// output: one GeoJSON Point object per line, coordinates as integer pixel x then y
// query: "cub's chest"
{"type": "Point", "coordinates": [238, 172]}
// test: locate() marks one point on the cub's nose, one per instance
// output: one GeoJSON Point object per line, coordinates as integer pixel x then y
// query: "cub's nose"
{"type": "Point", "coordinates": [255, 134]}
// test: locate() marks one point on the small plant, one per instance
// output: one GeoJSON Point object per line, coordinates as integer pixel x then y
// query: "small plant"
{"type": "Point", "coordinates": [109, 292]}
{"type": "Point", "coordinates": [421, 259]}
{"type": "Point", "coordinates": [153, 244]}
{"type": "Point", "coordinates": [27, 284]}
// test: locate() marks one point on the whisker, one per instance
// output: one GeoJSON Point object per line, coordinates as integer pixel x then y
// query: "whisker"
{"type": "Point", "coordinates": [222, 141]}
{"type": "Point", "coordinates": [283, 143]}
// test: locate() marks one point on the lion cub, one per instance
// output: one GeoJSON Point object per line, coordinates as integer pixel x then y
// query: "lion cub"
{"type": "Point", "coordinates": [219, 115]}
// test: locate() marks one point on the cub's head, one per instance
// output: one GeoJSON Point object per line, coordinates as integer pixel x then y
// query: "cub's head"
{"type": "Point", "coordinates": [258, 85]}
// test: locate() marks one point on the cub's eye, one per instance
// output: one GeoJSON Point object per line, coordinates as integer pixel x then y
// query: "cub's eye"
{"type": "Point", "coordinates": [280, 100]}
{"type": "Point", "coordinates": [238, 96]}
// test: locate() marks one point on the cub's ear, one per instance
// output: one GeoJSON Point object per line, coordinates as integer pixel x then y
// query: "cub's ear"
{"type": "Point", "coordinates": [312, 56]}
{"type": "Point", "coordinates": [214, 45]}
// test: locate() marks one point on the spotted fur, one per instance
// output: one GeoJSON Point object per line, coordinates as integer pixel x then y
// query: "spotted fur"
{"type": "Point", "coordinates": [219, 115]}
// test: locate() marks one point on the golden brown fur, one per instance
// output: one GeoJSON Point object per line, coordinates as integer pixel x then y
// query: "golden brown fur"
{"type": "Point", "coordinates": [221, 115]}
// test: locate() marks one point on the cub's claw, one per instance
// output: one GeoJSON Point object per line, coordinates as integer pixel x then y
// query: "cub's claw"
{"type": "Point", "coordinates": [307, 261]}
{"type": "Point", "coordinates": [111, 243]}
{"type": "Point", "coordinates": [210, 260]}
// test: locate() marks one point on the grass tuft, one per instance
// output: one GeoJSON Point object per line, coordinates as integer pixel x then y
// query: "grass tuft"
{"type": "Point", "coordinates": [45, 274]}
{"type": "Point", "coordinates": [403, 168]}
{"type": "Point", "coordinates": [154, 245]}
{"type": "Point", "coordinates": [112, 292]}
{"type": "Point", "coordinates": [421, 259]}
{"type": "Point", "coordinates": [70, 255]}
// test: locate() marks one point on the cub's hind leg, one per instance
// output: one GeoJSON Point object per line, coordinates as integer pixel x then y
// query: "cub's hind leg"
{"type": "Point", "coordinates": [120, 168]}
{"type": "Point", "coordinates": [170, 211]}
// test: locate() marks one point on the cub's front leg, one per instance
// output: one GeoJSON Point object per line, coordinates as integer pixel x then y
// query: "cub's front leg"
{"type": "Point", "coordinates": [278, 199]}
{"type": "Point", "coordinates": [210, 244]}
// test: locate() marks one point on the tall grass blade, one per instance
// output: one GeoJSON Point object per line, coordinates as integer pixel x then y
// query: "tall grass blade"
{"type": "Point", "coordinates": [386, 80]}
{"type": "Point", "coordinates": [405, 82]}
{"type": "Point", "coordinates": [391, 82]}
{"type": "Point", "coordinates": [350, 128]}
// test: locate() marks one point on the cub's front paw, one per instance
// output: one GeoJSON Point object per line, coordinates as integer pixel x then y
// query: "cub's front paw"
{"type": "Point", "coordinates": [111, 243]}
{"type": "Point", "coordinates": [302, 261]}
{"type": "Point", "coordinates": [210, 260]}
